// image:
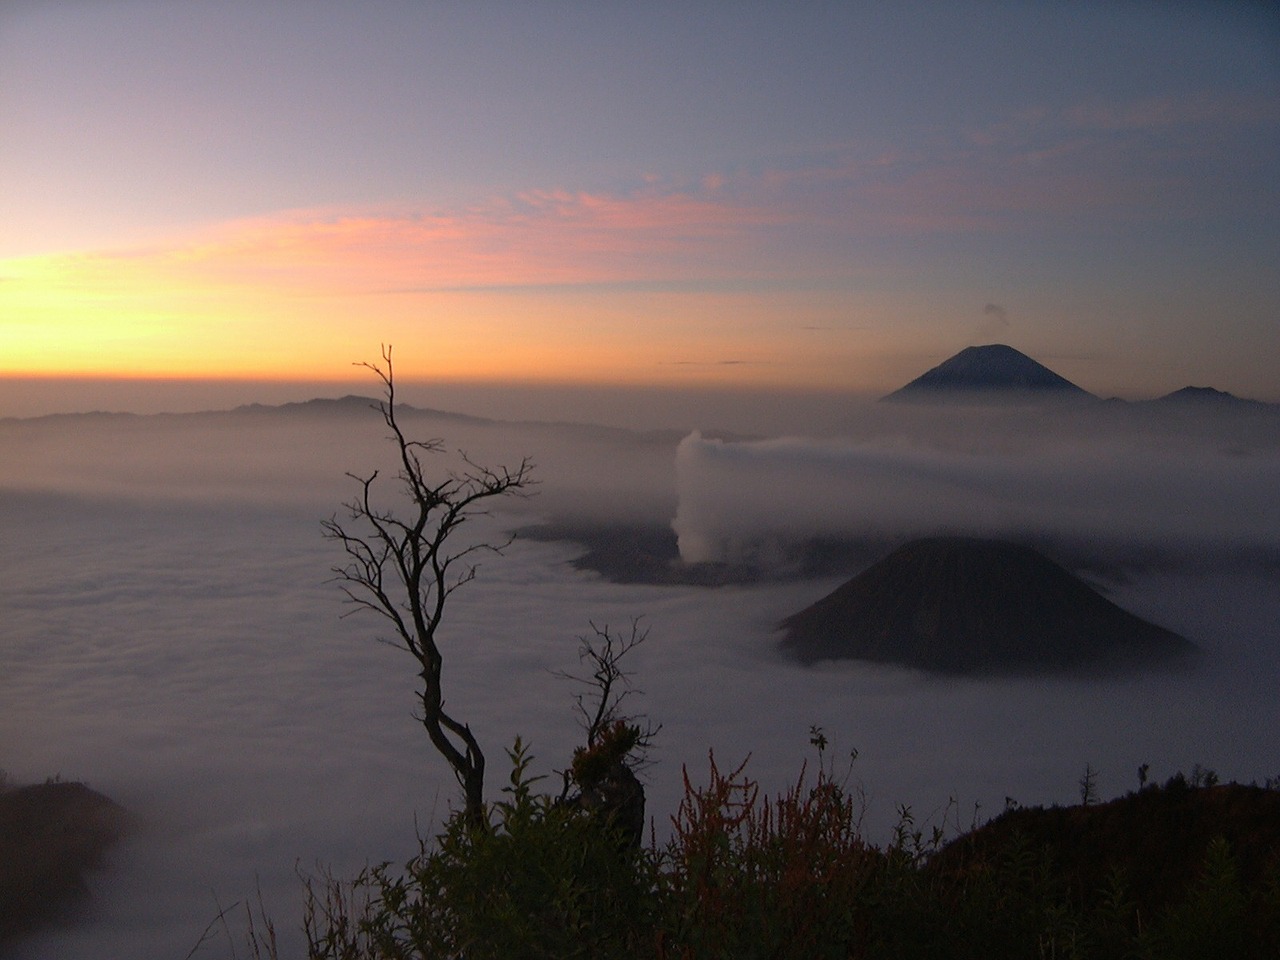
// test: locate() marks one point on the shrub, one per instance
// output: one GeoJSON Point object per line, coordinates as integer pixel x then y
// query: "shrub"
{"type": "Point", "coordinates": [745, 875]}
{"type": "Point", "coordinates": [545, 880]}
{"type": "Point", "coordinates": [782, 877]}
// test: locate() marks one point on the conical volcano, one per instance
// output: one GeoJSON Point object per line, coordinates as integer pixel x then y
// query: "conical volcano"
{"type": "Point", "coordinates": [991, 372]}
{"type": "Point", "coordinates": [961, 605]}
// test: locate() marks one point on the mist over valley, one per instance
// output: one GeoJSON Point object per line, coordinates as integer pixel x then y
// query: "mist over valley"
{"type": "Point", "coordinates": [172, 641]}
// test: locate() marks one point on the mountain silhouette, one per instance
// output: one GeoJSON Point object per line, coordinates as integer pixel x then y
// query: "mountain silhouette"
{"type": "Point", "coordinates": [964, 605]}
{"type": "Point", "coordinates": [1203, 397]}
{"type": "Point", "coordinates": [992, 371]}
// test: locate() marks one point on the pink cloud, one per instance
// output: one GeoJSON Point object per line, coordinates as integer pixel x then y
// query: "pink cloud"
{"type": "Point", "coordinates": [536, 237]}
{"type": "Point", "coordinates": [1036, 169]}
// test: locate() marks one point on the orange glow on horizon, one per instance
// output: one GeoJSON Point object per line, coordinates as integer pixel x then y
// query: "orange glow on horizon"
{"type": "Point", "coordinates": [544, 288]}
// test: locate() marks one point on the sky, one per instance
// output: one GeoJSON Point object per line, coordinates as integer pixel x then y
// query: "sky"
{"type": "Point", "coordinates": [769, 196]}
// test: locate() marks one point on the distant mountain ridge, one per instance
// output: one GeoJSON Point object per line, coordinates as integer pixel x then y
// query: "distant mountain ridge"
{"type": "Point", "coordinates": [994, 370]}
{"type": "Point", "coordinates": [998, 372]}
{"type": "Point", "coordinates": [354, 404]}
{"type": "Point", "coordinates": [1208, 397]}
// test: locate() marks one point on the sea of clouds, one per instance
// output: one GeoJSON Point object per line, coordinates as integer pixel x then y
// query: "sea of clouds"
{"type": "Point", "coordinates": [170, 637]}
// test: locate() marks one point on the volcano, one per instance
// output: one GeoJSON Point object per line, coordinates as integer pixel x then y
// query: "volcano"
{"type": "Point", "coordinates": [995, 371]}
{"type": "Point", "coordinates": [962, 605]}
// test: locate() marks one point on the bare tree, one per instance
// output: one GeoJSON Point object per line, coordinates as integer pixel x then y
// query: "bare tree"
{"type": "Point", "coordinates": [404, 568]}
{"type": "Point", "coordinates": [617, 743]}
{"type": "Point", "coordinates": [600, 707]}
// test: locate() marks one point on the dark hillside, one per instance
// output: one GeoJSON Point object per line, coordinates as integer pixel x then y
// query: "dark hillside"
{"type": "Point", "coordinates": [50, 835]}
{"type": "Point", "coordinates": [1165, 848]}
{"type": "Point", "coordinates": [963, 605]}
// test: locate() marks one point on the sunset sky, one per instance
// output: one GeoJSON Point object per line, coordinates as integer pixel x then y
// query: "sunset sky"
{"type": "Point", "coordinates": [784, 195]}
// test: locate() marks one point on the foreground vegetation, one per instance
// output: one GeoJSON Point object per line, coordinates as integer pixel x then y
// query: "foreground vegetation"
{"type": "Point", "coordinates": [1189, 868]}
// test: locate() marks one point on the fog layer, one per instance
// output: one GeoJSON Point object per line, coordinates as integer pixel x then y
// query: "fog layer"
{"type": "Point", "coordinates": [170, 637]}
{"type": "Point", "coordinates": [1196, 489]}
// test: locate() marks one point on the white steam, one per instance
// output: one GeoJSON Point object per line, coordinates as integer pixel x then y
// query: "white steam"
{"type": "Point", "coordinates": [737, 498]}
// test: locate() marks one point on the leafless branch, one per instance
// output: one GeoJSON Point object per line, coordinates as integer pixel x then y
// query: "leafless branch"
{"type": "Point", "coordinates": [398, 566]}
{"type": "Point", "coordinates": [608, 685]}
